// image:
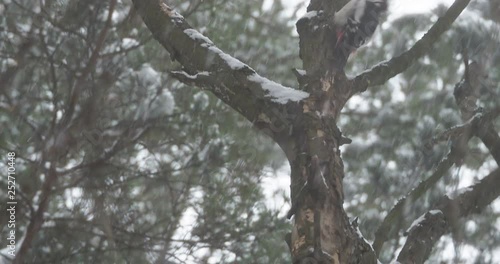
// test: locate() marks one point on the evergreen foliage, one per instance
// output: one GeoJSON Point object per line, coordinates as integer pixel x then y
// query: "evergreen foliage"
{"type": "Point", "coordinates": [150, 170]}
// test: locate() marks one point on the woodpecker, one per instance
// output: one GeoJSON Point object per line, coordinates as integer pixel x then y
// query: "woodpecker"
{"type": "Point", "coordinates": [355, 23]}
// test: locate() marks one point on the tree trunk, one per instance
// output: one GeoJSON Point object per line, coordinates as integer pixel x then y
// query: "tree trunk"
{"type": "Point", "coordinates": [322, 232]}
{"type": "Point", "coordinates": [303, 122]}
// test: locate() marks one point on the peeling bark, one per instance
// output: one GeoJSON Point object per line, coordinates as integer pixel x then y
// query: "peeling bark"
{"type": "Point", "coordinates": [305, 129]}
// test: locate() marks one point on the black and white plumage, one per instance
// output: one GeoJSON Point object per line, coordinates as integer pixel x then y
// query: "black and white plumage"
{"type": "Point", "coordinates": [355, 23]}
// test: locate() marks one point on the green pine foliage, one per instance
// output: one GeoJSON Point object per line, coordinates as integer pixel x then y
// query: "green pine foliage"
{"type": "Point", "coordinates": [149, 170]}
{"type": "Point", "coordinates": [153, 171]}
{"type": "Point", "coordinates": [390, 126]}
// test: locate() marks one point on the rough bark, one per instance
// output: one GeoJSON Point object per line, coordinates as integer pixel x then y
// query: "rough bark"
{"type": "Point", "coordinates": [329, 92]}
{"type": "Point", "coordinates": [426, 232]}
{"type": "Point", "coordinates": [232, 81]}
{"type": "Point", "coordinates": [322, 232]}
{"type": "Point", "coordinates": [305, 129]}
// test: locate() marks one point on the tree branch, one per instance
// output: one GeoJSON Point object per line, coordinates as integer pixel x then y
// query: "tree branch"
{"type": "Point", "coordinates": [480, 123]}
{"type": "Point", "coordinates": [92, 62]}
{"type": "Point", "coordinates": [385, 70]}
{"type": "Point", "coordinates": [423, 234]}
{"type": "Point", "coordinates": [389, 226]}
{"type": "Point", "coordinates": [427, 230]}
{"type": "Point", "coordinates": [255, 97]}
{"type": "Point", "coordinates": [37, 219]}
{"type": "Point", "coordinates": [488, 135]}
{"type": "Point", "coordinates": [490, 138]}
{"type": "Point", "coordinates": [467, 93]}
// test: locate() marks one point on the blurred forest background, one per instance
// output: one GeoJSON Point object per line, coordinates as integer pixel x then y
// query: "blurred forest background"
{"type": "Point", "coordinates": [113, 153]}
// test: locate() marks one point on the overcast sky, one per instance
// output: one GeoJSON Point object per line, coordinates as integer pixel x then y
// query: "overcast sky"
{"type": "Point", "coordinates": [396, 7]}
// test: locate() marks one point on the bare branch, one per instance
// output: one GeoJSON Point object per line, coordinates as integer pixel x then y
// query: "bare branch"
{"type": "Point", "coordinates": [37, 218]}
{"type": "Point", "coordinates": [389, 226]}
{"type": "Point", "coordinates": [425, 233]}
{"type": "Point", "coordinates": [479, 124]}
{"type": "Point", "coordinates": [385, 70]}
{"type": "Point", "coordinates": [489, 137]}
{"type": "Point", "coordinates": [452, 133]}
{"type": "Point", "coordinates": [427, 230]}
{"type": "Point", "coordinates": [478, 121]}
{"type": "Point", "coordinates": [467, 93]}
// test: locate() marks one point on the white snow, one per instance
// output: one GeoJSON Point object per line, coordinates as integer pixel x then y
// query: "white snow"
{"type": "Point", "coordinates": [161, 105]}
{"type": "Point", "coordinates": [129, 43]}
{"type": "Point", "coordinates": [73, 196]}
{"type": "Point", "coordinates": [360, 235]}
{"type": "Point", "coordinates": [435, 212]}
{"type": "Point", "coordinates": [422, 218]}
{"type": "Point", "coordinates": [233, 63]}
{"type": "Point", "coordinates": [416, 223]}
{"type": "Point", "coordinates": [194, 34]}
{"type": "Point", "coordinates": [279, 93]}
{"type": "Point", "coordinates": [202, 99]}
{"type": "Point", "coordinates": [202, 155]}
{"type": "Point", "coordinates": [11, 62]}
{"type": "Point", "coordinates": [148, 76]}
{"type": "Point", "coordinates": [118, 16]}
{"type": "Point", "coordinates": [158, 103]}
{"type": "Point", "coordinates": [458, 192]}
{"type": "Point", "coordinates": [301, 72]}
{"type": "Point", "coordinates": [310, 15]}
{"type": "Point", "coordinates": [165, 103]}
{"type": "Point", "coordinates": [192, 76]}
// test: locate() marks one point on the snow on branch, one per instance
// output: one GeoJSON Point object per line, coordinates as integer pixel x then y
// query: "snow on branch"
{"type": "Point", "coordinates": [388, 229]}
{"type": "Point", "coordinates": [422, 235]}
{"type": "Point", "coordinates": [277, 92]}
{"type": "Point", "coordinates": [479, 124]}
{"type": "Point", "coordinates": [200, 79]}
{"type": "Point", "coordinates": [206, 66]}
{"type": "Point", "coordinates": [428, 229]}
{"type": "Point", "coordinates": [385, 70]}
